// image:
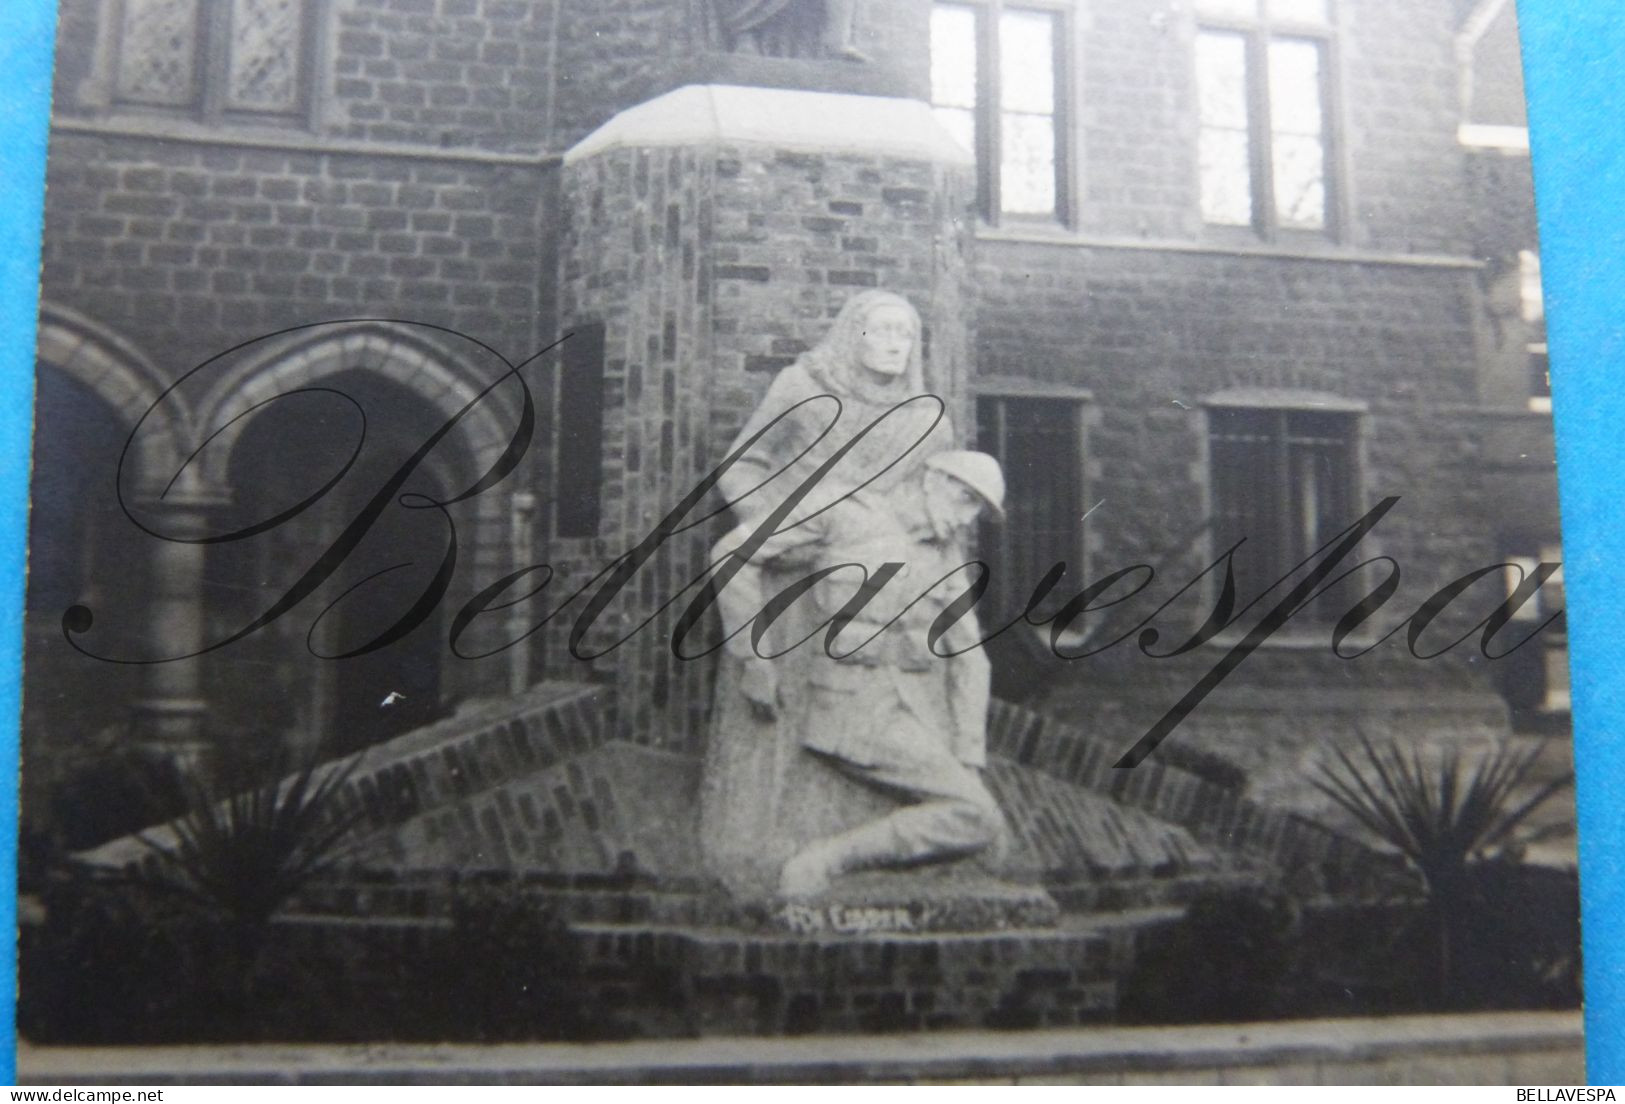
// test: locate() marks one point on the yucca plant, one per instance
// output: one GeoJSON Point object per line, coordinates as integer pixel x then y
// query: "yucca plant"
{"type": "Point", "coordinates": [247, 843]}
{"type": "Point", "coordinates": [1443, 817]}
{"type": "Point", "coordinates": [245, 847]}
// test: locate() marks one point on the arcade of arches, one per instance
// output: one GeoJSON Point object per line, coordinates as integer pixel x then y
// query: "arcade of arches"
{"type": "Point", "coordinates": [96, 709]}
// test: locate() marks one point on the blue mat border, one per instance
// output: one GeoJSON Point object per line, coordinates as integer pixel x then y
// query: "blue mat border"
{"type": "Point", "coordinates": [1574, 53]}
{"type": "Point", "coordinates": [27, 31]}
{"type": "Point", "coordinates": [1574, 57]}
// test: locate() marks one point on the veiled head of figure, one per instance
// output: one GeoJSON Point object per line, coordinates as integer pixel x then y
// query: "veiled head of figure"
{"type": "Point", "coordinates": [877, 334]}
{"type": "Point", "coordinates": [887, 337]}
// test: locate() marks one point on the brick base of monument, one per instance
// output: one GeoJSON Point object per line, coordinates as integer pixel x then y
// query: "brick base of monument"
{"type": "Point", "coordinates": [959, 897]}
{"type": "Point", "coordinates": [719, 981]}
{"type": "Point", "coordinates": [679, 959]}
{"type": "Point", "coordinates": [523, 820]}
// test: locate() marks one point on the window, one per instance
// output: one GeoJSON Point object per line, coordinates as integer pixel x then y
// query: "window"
{"type": "Point", "coordinates": [1264, 144]}
{"type": "Point", "coordinates": [996, 84]}
{"type": "Point", "coordinates": [1534, 318]}
{"type": "Point", "coordinates": [1493, 115]}
{"type": "Point", "coordinates": [247, 59]}
{"type": "Point", "coordinates": [1039, 441]}
{"type": "Point", "coordinates": [1285, 481]}
{"type": "Point", "coordinates": [1536, 675]}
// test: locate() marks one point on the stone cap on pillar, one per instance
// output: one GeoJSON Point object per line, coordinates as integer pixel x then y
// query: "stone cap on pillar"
{"type": "Point", "coordinates": [788, 119]}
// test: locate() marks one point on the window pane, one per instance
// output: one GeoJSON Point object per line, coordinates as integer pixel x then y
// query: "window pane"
{"type": "Point", "coordinates": [1027, 62]}
{"type": "Point", "coordinates": [265, 55]}
{"type": "Point", "coordinates": [1045, 482]}
{"type": "Point", "coordinates": [1318, 452]}
{"type": "Point", "coordinates": [1297, 147]}
{"type": "Point", "coordinates": [953, 56]}
{"type": "Point", "coordinates": [1529, 293]}
{"type": "Point", "coordinates": [1320, 507]}
{"type": "Point", "coordinates": [1221, 79]}
{"type": "Point", "coordinates": [158, 54]}
{"type": "Point", "coordinates": [1302, 11]}
{"type": "Point", "coordinates": [1300, 187]}
{"type": "Point", "coordinates": [1224, 151]}
{"type": "Point", "coordinates": [1540, 374]}
{"type": "Point", "coordinates": [1227, 190]}
{"type": "Point", "coordinates": [1027, 164]}
{"type": "Point", "coordinates": [959, 123]}
{"type": "Point", "coordinates": [1236, 9]}
{"type": "Point", "coordinates": [1038, 444]}
{"type": "Point", "coordinates": [1241, 454]}
{"type": "Point", "coordinates": [1295, 87]}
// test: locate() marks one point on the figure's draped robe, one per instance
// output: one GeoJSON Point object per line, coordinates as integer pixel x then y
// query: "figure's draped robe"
{"type": "Point", "coordinates": [763, 796]}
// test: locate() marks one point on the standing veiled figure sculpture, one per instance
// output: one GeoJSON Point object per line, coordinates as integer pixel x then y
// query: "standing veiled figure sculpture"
{"type": "Point", "coordinates": [820, 766]}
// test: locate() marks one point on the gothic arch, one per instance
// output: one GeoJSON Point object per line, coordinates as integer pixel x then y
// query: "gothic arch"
{"type": "Point", "coordinates": [418, 363]}
{"type": "Point", "coordinates": [442, 380]}
{"type": "Point", "coordinates": [117, 372]}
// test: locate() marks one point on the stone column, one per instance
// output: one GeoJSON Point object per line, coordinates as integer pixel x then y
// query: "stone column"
{"type": "Point", "coordinates": [169, 720]}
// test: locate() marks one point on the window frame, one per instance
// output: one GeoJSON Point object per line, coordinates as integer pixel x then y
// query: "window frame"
{"type": "Point", "coordinates": [988, 111]}
{"type": "Point", "coordinates": [1085, 415]}
{"type": "Point", "coordinates": [207, 104]}
{"type": "Point", "coordinates": [1257, 32]}
{"type": "Point", "coordinates": [1283, 404]}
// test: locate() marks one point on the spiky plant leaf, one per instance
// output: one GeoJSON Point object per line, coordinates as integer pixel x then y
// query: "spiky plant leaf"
{"type": "Point", "coordinates": [244, 849]}
{"type": "Point", "coordinates": [1439, 819]}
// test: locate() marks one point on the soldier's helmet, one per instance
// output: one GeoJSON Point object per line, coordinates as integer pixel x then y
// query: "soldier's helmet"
{"type": "Point", "coordinates": [977, 470]}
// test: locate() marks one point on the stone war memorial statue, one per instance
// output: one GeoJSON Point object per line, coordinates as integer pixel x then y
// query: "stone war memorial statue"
{"type": "Point", "coordinates": [843, 770]}
{"type": "Point", "coordinates": [788, 28]}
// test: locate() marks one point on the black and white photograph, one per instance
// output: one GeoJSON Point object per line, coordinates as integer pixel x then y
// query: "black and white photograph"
{"type": "Point", "coordinates": [794, 541]}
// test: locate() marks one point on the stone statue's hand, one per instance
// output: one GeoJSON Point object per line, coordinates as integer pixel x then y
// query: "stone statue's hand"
{"type": "Point", "coordinates": [761, 688]}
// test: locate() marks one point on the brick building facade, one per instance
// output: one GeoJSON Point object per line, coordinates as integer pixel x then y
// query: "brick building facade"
{"type": "Point", "coordinates": [1208, 270]}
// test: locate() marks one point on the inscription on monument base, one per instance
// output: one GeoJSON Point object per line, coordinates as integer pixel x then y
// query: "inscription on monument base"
{"type": "Point", "coordinates": [847, 919]}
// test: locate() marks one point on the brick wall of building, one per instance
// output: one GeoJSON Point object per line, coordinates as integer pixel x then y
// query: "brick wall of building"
{"type": "Point", "coordinates": [499, 75]}
{"type": "Point", "coordinates": [614, 56]}
{"type": "Point", "coordinates": [190, 249]}
{"type": "Point", "coordinates": [1394, 109]}
{"type": "Point", "coordinates": [1401, 106]}
{"type": "Point", "coordinates": [439, 73]}
{"type": "Point", "coordinates": [1154, 332]}
{"type": "Point", "coordinates": [452, 73]}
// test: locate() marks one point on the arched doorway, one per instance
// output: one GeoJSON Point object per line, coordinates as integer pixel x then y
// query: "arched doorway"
{"type": "Point", "coordinates": [285, 685]}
